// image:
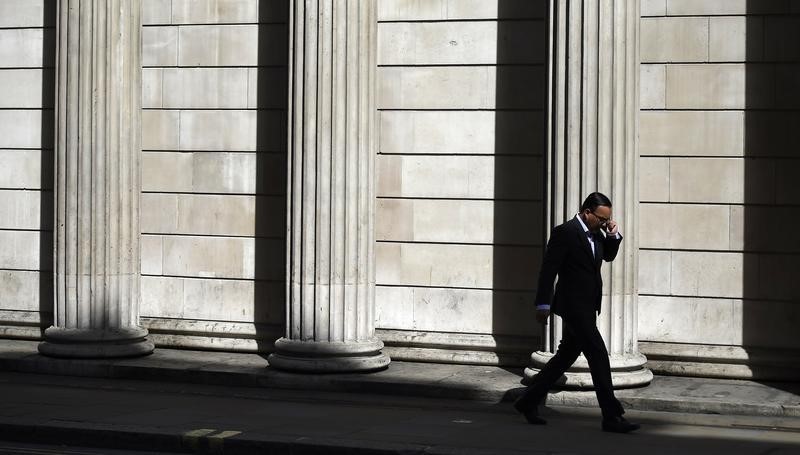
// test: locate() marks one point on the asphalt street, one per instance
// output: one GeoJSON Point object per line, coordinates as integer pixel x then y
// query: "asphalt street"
{"type": "Point", "coordinates": [75, 414]}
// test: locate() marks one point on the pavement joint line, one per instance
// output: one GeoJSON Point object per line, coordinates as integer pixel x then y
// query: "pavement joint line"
{"type": "Point", "coordinates": [766, 427]}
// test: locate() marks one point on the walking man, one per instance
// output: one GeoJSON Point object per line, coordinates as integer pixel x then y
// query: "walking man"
{"type": "Point", "coordinates": [575, 252]}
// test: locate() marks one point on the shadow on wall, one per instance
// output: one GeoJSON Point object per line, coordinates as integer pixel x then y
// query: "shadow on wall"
{"type": "Point", "coordinates": [47, 166]}
{"type": "Point", "coordinates": [269, 297]}
{"type": "Point", "coordinates": [518, 176]}
{"type": "Point", "coordinates": [272, 82]}
{"type": "Point", "coordinates": [771, 211]}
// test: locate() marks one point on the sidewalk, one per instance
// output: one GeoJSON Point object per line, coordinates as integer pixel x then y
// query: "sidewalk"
{"type": "Point", "coordinates": [64, 412]}
{"type": "Point", "coordinates": [465, 382]}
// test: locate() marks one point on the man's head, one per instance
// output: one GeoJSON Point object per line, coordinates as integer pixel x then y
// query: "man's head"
{"type": "Point", "coordinates": [596, 211]}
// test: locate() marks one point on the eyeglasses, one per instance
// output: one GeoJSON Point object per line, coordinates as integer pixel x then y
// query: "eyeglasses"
{"type": "Point", "coordinates": [603, 220]}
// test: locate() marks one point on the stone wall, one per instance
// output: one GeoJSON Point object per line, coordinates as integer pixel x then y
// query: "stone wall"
{"type": "Point", "coordinates": [459, 187]}
{"type": "Point", "coordinates": [459, 178]}
{"type": "Point", "coordinates": [213, 172]}
{"type": "Point", "coordinates": [718, 141]}
{"type": "Point", "coordinates": [27, 58]}
{"type": "Point", "coordinates": [459, 211]}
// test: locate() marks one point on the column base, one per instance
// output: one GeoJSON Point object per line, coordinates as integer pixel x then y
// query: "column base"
{"type": "Point", "coordinates": [626, 371]}
{"type": "Point", "coordinates": [95, 343]}
{"type": "Point", "coordinates": [328, 357]}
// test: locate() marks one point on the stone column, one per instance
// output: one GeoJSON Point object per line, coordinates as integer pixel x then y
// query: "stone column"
{"type": "Point", "coordinates": [98, 92]}
{"type": "Point", "coordinates": [330, 239]}
{"type": "Point", "coordinates": [592, 145]}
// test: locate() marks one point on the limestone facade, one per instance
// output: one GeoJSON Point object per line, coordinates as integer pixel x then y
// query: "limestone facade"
{"type": "Point", "coordinates": [718, 291]}
{"type": "Point", "coordinates": [459, 217]}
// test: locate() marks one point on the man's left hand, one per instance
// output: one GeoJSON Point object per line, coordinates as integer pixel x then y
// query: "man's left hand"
{"type": "Point", "coordinates": [612, 228]}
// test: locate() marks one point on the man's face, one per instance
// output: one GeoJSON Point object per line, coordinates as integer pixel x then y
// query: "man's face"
{"type": "Point", "coordinates": [597, 218]}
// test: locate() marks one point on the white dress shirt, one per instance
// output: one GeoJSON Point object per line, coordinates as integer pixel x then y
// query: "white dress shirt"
{"type": "Point", "coordinates": [544, 307]}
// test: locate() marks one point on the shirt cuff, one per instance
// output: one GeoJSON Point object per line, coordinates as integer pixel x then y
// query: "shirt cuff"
{"type": "Point", "coordinates": [543, 307]}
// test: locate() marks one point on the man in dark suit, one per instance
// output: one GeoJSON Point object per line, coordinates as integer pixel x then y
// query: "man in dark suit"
{"type": "Point", "coordinates": [575, 252]}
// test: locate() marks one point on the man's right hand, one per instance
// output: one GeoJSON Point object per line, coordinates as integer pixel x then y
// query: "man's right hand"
{"type": "Point", "coordinates": [542, 315]}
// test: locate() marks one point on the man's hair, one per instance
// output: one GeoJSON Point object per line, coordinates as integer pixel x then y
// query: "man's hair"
{"type": "Point", "coordinates": [595, 200]}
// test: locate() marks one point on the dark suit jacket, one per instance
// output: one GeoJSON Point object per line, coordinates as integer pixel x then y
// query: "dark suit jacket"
{"type": "Point", "coordinates": [580, 287]}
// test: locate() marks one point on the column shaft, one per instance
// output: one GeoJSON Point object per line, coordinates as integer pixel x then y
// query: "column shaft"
{"type": "Point", "coordinates": [97, 186]}
{"type": "Point", "coordinates": [592, 145]}
{"type": "Point", "coordinates": [330, 237]}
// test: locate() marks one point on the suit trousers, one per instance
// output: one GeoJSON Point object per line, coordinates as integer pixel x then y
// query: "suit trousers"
{"type": "Point", "coordinates": [580, 334]}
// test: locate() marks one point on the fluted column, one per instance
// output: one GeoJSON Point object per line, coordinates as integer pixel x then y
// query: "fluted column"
{"type": "Point", "coordinates": [593, 102]}
{"type": "Point", "coordinates": [98, 91]}
{"type": "Point", "coordinates": [330, 238]}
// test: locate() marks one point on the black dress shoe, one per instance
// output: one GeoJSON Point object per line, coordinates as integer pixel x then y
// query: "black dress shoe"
{"type": "Point", "coordinates": [619, 425]}
{"type": "Point", "coordinates": [531, 414]}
